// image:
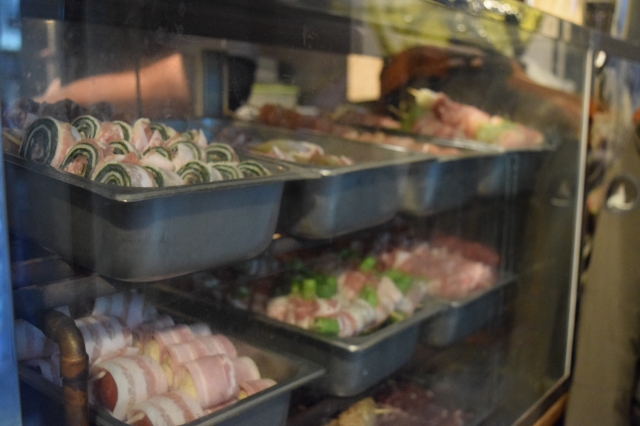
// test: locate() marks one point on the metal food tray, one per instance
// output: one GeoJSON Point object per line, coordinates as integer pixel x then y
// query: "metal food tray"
{"type": "Point", "coordinates": [269, 407]}
{"type": "Point", "coordinates": [352, 364]}
{"type": "Point", "coordinates": [467, 315]}
{"type": "Point", "coordinates": [138, 234]}
{"type": "Point", "coordinates": [346, 198]}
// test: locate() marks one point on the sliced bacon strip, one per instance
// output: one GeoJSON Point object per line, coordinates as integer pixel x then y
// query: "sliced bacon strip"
{"type": "Point", "coordinates": [211, 379]}
{"type": "Point", "coordinates": [143, 333]}
{"type": "Point", "coordinates": [246, 369]}
{"type": "Point", "coordinates": [169, 409]}
{"type": "Point", "coordinates": [103, 336]}
{"type": "Point", "coordinates": [128, 306]}
{"type": "Point", "coordinates": [31, 342]}
{"type": "Point", "coordinates": [136, 378]}
{"type": "Point", "coordinates": [256, 386]}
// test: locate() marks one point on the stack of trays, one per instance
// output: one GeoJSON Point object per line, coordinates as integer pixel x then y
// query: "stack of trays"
{"type": "Point", "coordinates": [269, 407]}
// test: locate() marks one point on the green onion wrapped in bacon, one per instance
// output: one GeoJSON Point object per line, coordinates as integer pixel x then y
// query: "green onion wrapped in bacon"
{"type": "Point", "coordinates": [164, 177]}
{"type": "Point", "coordinates": [123, 148]}
{"type": "Point", "coordinates": [83, 157]}
{"type": "Point", "coordinates": [87, 126]}
{"type": "Point", "coordinates": [127, 131]}
{"type": "Point", "coordinates": [165, 131]}
{"type": "Point", "coordinates": [219, 152]}
{"type": "Point", "coordinates": [252, 168]}
{"type": "Point", "coordinates": [229, 170]}
{"type": "Point", "coordinates": [198, 172]}
{"type": "Point", "coordinates": [123, 174]}
{"type": "Point", "coordinates": [47, 141]}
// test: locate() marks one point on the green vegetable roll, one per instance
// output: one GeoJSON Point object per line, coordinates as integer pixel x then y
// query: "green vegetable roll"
{"type": "Point", "coordinates": [127, 131]}
{"type": "Point", "coordinates": [251, 168]}
{"type": "Point", "coordinates": [219, 152]}
{"type": "Point", "coordinates": [87, 126]}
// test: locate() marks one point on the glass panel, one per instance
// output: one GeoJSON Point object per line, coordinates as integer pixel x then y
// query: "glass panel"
{"type": "Point", "coordinates": [386, 189]}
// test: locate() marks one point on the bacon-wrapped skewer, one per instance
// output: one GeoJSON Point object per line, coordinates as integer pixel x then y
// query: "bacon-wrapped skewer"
{"type": "Point", "coordinates": [104, 337]}
{"type": "Point", "coordinates": [161, 339]}
{"type": "Point", "coordinates": [211, 380]}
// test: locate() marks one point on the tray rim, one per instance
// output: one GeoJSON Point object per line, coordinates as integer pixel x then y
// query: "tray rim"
{"type": "Point", "coordinates": [130, 195]}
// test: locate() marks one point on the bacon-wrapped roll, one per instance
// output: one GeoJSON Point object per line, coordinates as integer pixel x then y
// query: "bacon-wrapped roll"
{"type": "Point", "coordinates": [87, 126]}
{"type": "Point", "coordinates": [49, 368]}
{"type": "Point", "coordinates": [123, 174]}
{"type": "Point", "coordinates": [219, 152]}
{"type": "Point", "coordinates": [122, 147]}
{"type": "Point", "coordinates": [418, 290]}
{"type": "Point", "coordinates": [143, 333]}
{"type": "Point", "coordinates": [163, 130]}
{"type": "Point", "coordinates": [246, 369]}
{"type": "Point", "coordinates": [47, 141]}
{"type": "Point", "coordinates": [82, 158]}
{"type": "Point", "coordinates": [252, 168]}
{"type": "Point", "coordinates": [160, 339]}
{"type": "Point", "coordinates": [229, 170]}
{"type": "Point", "coordinates": [128, 306]}
{"type": "Point", "coordinates": [176, 355]}
{"type": "Point", "coordinates": [210, 379]}
{"type": "Point", "coordinates": [198, 172]}
{"type": "Point", "coordinates": [169, 409]}
{"type": "Point", "coordinates": [31, 342]}
{"type": "Point", "coordinates": [141, 133]}
{"type": "Point", "coordinates": [254, 386]}
{"type": "Point", "coordinates": [109, 132]}
{"type": "Point", "coordinates": [122, 382]}
{"type": "Point", "coordinates": [125, 128]}
{"type": "Point", "coordinates": [164, 177]}
{"type": "Point", "coordinates": [104, 337]}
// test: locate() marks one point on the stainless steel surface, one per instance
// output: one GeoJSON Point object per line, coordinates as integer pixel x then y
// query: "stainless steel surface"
{"type": "Point", "coordinates": [352, 364]}
{"type": "Point", "coordinates": [269, 407]}
{"type": "Point", "coordinates": [138, 234]}
{"type": "Point", "coordinates": [467, 315]}
{"type": "Point", "coordinates": [344, 199]}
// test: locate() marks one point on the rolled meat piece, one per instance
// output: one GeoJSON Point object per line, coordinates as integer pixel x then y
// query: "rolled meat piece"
{"type": "Point", "coordinates": [110, 132]}
{"type": "Point", "coordinates": [123, 174]}
{"type": "Point", "coordinates": [254, 386]}
{"type": "Point", "coordinates": [183, 152]}
{"type": "Point", "coordinates": [169, 409]}
{"type": "Point", "coordinates": [355, 318]}
{"type": "Point", "coordinates": [82, 158]}
{"type": "Point", "coordinates": [389, 296]}
{"type": "Point", "coordinates": [128, 306]}
{"type": "Point", "coordinates": [31, 342]}
{"type": "Point", "coordinates": [122, 382]}
{"type": "Point", "coordinates": [211, 380]}
{"type": "Point", "coordinates": [49, 368]}
{"type": "Point", "coordinates": [246, 369]}
{"type": "Point", "coordinates": [163, 177]}
{"type": "Point", "coordinates": [176, 355]}
{"type": "Point", "coordinates": [418, 290]}
{"type": "Point", "coordinates": [219, 153]}
{"type": "Point", "coordinates": [143, 333]}
{"type": "Point", "coordinates": [47, 141]}
{"type": "Point", "coordinates": [122, 148]}
{"type": "Point", "coordinates": [125, 128]}
{"type": "Point", "coordinates": [104, 337]}
{"type": "Point", "coordinates": [168, 336]}
{"type": "Point", "coordinates": [141, 133]}
{"type": "Point", "coordinates": [88, 127]}
{"type": "Point", "coordinates": [198, 172]}
{"type": "Point", "coordinates": [229, 170]}
{"type": "Point", "coordinates": [252, 169]}
{"type": "Point", "coordinates": [165, 132]}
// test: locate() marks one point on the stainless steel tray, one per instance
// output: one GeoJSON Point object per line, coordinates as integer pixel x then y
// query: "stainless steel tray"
{"type": "Point", "coordinates": [269, 407]}
{"type": "Point", "coordinates": [345, 199]}
{"type": "Point", "coordinates": [352, 364]}
{"type": "Point", "coordinates": [138, 234]}
{"type": "Point", "coordinates": [467, 315]}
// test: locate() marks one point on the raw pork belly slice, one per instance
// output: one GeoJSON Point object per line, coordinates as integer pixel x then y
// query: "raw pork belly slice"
{"type": "Point", "coordinates": [169, 409]}
{"type": "Point", "coordinates": [31, 342]}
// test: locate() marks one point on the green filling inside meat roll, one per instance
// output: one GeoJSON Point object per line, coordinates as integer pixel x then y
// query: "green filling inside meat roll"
{"type": "Point", "coordinates": [251, 168]}
{"type": "Point", "coordinates": [188, 144]}
{"type": "Point", "coordinates": [194, 172]}
{"type": "Point", "coordinates": [218, 152]}
{"type": "Point", "coordinates": [127, 131]}
{"type": "Point", "coordinates": [87, 125]}
{"type": "Point", "coordinates": [41, 141]}
{"type": "Point", "coordinates": [113, 174]}
{"type": "Point", "coordinates": [121, 147]}
{"type": "Point", "coordinates": [83, 157]}
{"type": "Point", "coordinates": [228, 171]}
{"type": "Point", "coordinates": [160, 150]}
